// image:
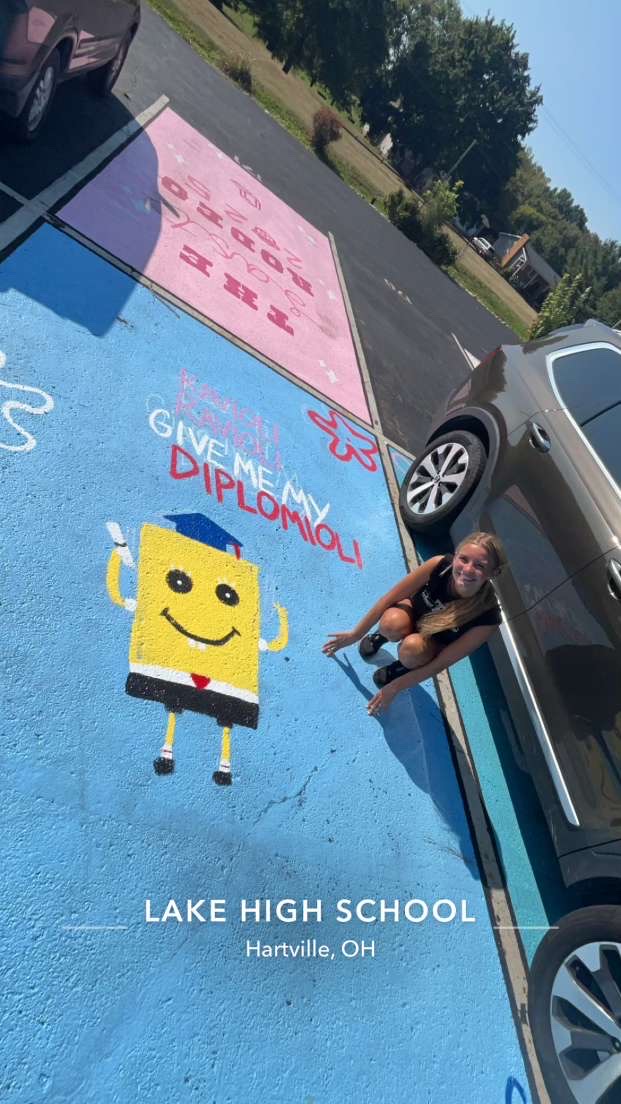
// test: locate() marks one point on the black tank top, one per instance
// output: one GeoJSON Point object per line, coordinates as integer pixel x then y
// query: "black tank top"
{"type": "Point", "coordinates": [436, 595]}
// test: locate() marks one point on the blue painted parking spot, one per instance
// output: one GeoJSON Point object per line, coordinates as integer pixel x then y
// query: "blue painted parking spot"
{"type": "Point", "coordinates": [521, 835]}
{"type": "Point", "coordinates": [167, 497]}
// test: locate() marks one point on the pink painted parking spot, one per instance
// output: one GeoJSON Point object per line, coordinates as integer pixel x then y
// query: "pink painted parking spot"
{"type": "Point", "coordinates": [180, 211]}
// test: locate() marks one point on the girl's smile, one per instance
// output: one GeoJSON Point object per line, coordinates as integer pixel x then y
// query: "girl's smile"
{"type": "Point", "coordinates": [471, 568]}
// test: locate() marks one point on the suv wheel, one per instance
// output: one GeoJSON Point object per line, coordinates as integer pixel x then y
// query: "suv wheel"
{"type": "Point", "coordinates": [34, 113]}
{"type": "Point", "coordinates": [574, 1005]}
{"type": "Point", "coordinates": [440, 481]}
{"type": "Point", "coordinates": [103, 80]}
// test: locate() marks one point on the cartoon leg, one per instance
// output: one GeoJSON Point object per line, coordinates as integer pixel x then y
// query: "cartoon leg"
{"type": "Point", "coordinates": [166, 764]}
{"type": "Point", "coordinates": [223, 776]}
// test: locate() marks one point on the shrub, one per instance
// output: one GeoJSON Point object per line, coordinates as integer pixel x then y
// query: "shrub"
{"type": "Point", "coordinates": [403, 212]}
{"type": "Point", "coordinates": [439, 248]}
{"type": "Point", "coordinates": [561, 307]}
{"type": "Point", "coordinates": [238, 69]}
{"type": "Point", "coordinates": [326, 129]}
{"type": "Point", "coordinates": [440, 204]}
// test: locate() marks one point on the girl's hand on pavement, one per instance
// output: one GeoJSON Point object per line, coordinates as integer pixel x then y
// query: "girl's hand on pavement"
{"type": "Point", "coordinates": [381, 701]}
{"type": "Point", "coordinates": [338, 641]}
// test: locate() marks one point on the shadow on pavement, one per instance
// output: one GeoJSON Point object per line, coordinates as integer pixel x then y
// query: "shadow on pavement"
{"type": "Point", "coordinates": [423, 751]}
{"type": "Point", "coordinates": [78, 122]}
{"type": "Point", "coordinates": [50, 268]}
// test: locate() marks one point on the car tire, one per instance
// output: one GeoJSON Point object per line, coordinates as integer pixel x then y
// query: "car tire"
{"type": "Point", "coordinates": [27, 127]}
{"type": "Point", "coordinates": [460, 458]}
{"type": "Point", "coordinates": [102, 81]}
{"type": "Point", "coordinates": [563, 973]}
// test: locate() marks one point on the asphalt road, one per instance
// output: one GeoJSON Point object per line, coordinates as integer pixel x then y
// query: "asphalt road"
{"type": "Point", "coordinates": [411, 355]}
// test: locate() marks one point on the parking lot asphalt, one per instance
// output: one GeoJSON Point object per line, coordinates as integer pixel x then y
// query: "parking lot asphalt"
{"type": "Point", "coordinates": [410, 353]}
{"type": "Point", "coordinates": [412, 359]}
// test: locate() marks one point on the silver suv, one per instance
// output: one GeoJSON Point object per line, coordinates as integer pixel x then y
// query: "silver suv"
{"type": "Point", "coordinates": [529, 447]}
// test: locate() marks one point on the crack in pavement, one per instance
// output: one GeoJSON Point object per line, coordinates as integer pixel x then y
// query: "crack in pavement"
{"type": "Point", "coordinates": [287, 797]}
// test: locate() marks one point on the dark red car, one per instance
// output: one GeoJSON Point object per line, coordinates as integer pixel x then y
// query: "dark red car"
{"type": "Point", "coordinates": [47, 42]}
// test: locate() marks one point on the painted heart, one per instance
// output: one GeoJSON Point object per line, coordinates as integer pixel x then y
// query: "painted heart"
{"type": "Point", "coordinates": [200, 682]}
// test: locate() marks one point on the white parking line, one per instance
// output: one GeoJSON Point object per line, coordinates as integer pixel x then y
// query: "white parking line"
{"type": "Point", "coordinates": [469, 358]}
{"type": "Point", "coordinates": [32, 209]}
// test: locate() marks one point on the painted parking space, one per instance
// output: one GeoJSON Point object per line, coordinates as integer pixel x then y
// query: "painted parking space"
{"type": "Point", "coordinates": [521, 837]}
{"type": "Point", "coordinates": [181, 212]}
{"type": "Point", "coordinates": [523, 845]}
{"type": "Point", "coordinates": [136, 464]}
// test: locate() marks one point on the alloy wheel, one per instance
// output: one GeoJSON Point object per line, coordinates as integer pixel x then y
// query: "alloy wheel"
{"type": "Point", "coordinates": [437, 478]}
{"type": "Point", "coordinates": [41, 98]}
{"type": "Point", "coordinates": [585, 1018]}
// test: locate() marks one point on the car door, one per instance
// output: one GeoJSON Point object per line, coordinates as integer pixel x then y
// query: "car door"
{"type": "Point", "coordinates": [546, 498]}
{"type": "Point", "coordinates": [568, 644]}
{"type": "Point", "coordinates": [102, 25]}
{"type": "Point", "coordinates": [572, 653]}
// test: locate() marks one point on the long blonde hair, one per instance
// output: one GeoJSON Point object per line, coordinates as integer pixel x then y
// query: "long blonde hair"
{"type": "Point", "coordinates": [459, 611]}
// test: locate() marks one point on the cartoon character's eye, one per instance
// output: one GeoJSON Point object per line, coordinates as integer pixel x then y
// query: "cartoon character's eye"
{"type": "Point", "coordinates": [227, 595]}
{"type": "Point", "coordinates": [179, 582]}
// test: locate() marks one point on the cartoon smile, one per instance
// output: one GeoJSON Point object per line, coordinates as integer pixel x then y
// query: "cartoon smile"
{"type": "Point", "coordinates": [193, 640]}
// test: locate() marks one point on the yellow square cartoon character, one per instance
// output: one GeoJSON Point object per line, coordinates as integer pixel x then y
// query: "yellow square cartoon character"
{"type": "Point", "coordinates": [196, 635]}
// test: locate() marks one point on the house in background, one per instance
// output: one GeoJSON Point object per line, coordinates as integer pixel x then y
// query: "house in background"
{"type": "Point", "coordinates": [525, 268]}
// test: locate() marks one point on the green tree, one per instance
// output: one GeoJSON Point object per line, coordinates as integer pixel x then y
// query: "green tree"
{"type": "Point", "coordinates": [527, 219]}
{"type": "Point", "coordinates": [456, 81]}
{"type": "Point", "coordinates": [440, 204]}
{"type": "Point", "coordinates": [341, 44]}
{"type": "Point", "coordinates": [609, 307]}
{"type": "Point", "coordinates": [567, 209]}
{"type": "Point", "coordinates": [561, 306]}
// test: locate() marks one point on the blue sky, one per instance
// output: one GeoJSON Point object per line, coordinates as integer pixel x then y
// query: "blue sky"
{"type": "Point", "coordinates": [574, 56]}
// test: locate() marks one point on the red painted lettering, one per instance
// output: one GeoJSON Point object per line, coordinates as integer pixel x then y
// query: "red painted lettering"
{"type": "Point", "coordinates": [263, 497]}
{"type": "Point", "coordinates": [292, 515]}
{"type": "Point", "coordinates": [171, 185]}
{"type": "Point", "coordinates": [240, 291]}
{"type": "Point", "coordinates": [309, 530]}
{"type": "Point", "coordinates": [271, 260]}
{"type": "Point", "coordinates": [242, 238]}
{"type": "Point", "coordinates": [358, 554]}
{"type": "Point", "coordinates": [241, 499]}
{"type": "Point", "coordinates": [333, 537]}
{"type": "Point", "coordinates": [279, 318]}
{"type": "Point", "coordinates": [196, 260]}
{"type": "Point", "coordinates": [207, 478]}
{"type": "Point", "coordinates": [224, 482]}
{"type": "Point", "coordinates": [211, 215]}
{"type": "Point", "coordinates": [300, 282]}
{"type": "Point", "coordinates": [176, 453]}
{"type": "Point", "coordinates": [342, 556]}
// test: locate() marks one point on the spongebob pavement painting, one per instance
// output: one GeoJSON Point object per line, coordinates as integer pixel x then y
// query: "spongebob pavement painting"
{"type": "Point", "coordinates": [196, 636]}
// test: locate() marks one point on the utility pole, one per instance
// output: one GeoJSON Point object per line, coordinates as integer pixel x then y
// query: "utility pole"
{"type": "Point", "coordinates": [460, 159]}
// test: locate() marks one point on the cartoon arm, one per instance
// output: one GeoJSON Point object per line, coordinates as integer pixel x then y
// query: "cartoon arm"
{"type": "Point", "coordinates": [282, 639]}
{"type": "Point", "coordinates": [120, 555]}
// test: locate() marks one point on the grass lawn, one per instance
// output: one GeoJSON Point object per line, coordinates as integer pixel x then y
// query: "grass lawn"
{"type": "Point", "coordinates": [289, 97]}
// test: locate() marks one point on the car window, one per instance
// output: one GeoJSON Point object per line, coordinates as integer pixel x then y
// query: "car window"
{"type": "Point", "coordinates": [604, 435]}
{"type": "Point", "coordinates": [588, 381]}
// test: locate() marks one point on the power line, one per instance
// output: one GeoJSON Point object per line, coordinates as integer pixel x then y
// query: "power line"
{"type": "Point", "coordinates": [585, 160]}
{"type": "Point", "coordinates": [567, 137]}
